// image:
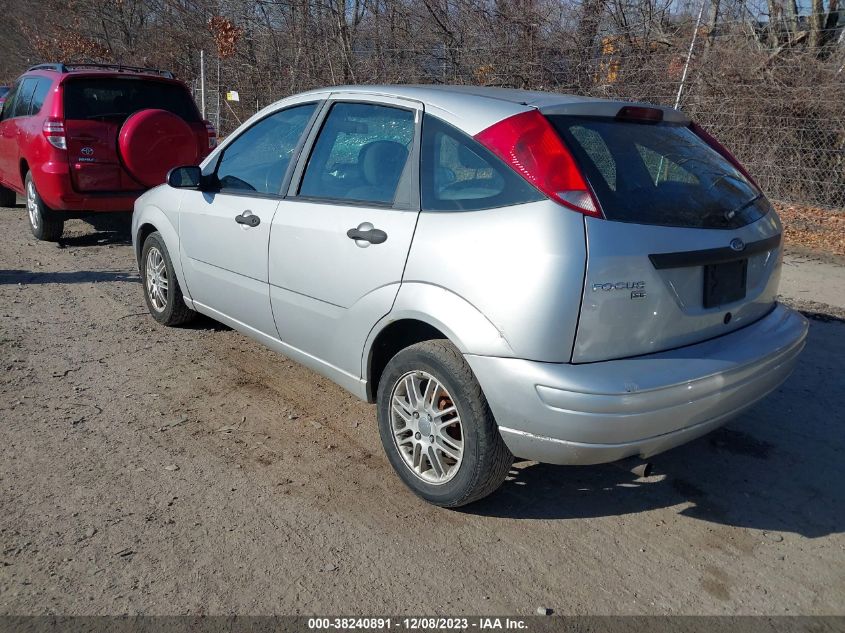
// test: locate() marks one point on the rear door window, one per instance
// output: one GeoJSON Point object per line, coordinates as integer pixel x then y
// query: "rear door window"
{"type": "Point", "coordinates": [39, 96]}
{"type": "Point", "coordinates": [458, 173]}
{"type": "Point", "coordinates": [360, 154]}
{"type": "Point", "coordinates": [659, 174]}
{"type": "Point", "coordinates": [115, 98]}
{"type": "Point", "coordinates": [24, 97]}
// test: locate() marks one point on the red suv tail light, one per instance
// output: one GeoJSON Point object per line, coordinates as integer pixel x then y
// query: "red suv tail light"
{"type": "Point", "coordinates": [529, 144]}
{"type": "Point", "coordinates": [54, 132]}
{"type": "Point", "coordinates": [212, 135]}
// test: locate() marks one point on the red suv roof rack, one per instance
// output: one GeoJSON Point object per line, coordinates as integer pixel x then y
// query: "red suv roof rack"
{"type": "Point", "coordinates": [70, 67]}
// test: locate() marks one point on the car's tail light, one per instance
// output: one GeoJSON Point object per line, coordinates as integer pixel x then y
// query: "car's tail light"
{"type": "Point", "coordinates": [701, 133]}
{"type": "Point", "coordinates": [529, 144]}
{"type": "Point", "coordinates": [54, 132]}
{"type": "Point", "coordinates": [212, 135]}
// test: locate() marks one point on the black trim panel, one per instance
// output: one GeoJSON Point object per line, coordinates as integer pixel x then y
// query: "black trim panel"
{"type": "Point", "coordinates": [710, 256]}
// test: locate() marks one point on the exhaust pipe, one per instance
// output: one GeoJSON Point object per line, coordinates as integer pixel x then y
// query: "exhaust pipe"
{"type": "Point", "coordinates": [635, 467]}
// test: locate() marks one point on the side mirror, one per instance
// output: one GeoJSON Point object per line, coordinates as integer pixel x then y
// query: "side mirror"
{"type": "Point", "coordinates": [187, 177]}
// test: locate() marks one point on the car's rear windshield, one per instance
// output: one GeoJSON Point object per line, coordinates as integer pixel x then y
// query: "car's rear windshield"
{"type": "Point", "coordinates": [117, 98]}
{"type": "Point", "coordinates": [4, 90]}
{"type": "Point", "coordinates": [659, 174]}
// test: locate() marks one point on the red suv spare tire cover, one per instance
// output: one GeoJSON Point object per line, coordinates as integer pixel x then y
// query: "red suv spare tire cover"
{"type": "Point", "coordinates": [152, 142]}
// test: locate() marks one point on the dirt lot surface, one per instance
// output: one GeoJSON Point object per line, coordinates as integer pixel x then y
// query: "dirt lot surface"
{"type": "Point", "coordinates": [189, 471]}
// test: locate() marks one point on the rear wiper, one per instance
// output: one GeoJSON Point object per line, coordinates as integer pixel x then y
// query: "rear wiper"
{"type": "Point", "coordinates": [729, 215]}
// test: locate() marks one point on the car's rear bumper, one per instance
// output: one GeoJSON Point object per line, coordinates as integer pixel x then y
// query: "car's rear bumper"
{"type": "Point", "coordinates": [601, 412]}
{"type": "Point", "coordinates": [53, 181]}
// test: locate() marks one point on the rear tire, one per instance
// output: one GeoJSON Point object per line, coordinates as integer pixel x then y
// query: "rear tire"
{"type": "Point", "coordinates": [161, 288]}
{"type": "Point", "coordinates": [464, 457]}
{"type": "Point", "coordinates": [8, 198]}
{"type": "Point", "coordinates": [43, 221]}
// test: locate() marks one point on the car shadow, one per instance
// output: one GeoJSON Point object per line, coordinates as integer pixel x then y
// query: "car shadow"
{"type": "Point", "coordinates": [778, 467]}
{"type": "Point", "coordinates": [109, 228]}
{"type": "Point", "coordinates": [203, 322]}
{"type": "Point", "coordinates": [73, 277]}
{"type": "Point", "coordinates": [100, 238]}
{"type": "Point", "coordinates": [710, 479]}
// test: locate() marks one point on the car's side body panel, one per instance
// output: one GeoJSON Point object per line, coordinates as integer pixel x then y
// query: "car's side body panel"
{"type": "Point", "coordinates": [225, 263]}
{"type": "Point", "coordinates": [327, 290]}
{"type": "Point", "coordinates": [522, 267]}
{"type": "Point", "coordinates": [464, 324]}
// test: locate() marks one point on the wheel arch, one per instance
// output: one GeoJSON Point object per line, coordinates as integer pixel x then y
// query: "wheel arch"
{"type": "Point", "coordinates": [23, 168]}
{"type": "Point", "coordinates": [149, 220]}
{"type": "Point", "coordinates": [424, 312]}
{"type": "Point", "coordinates": [393, 338]}
{"type": "Point", "coordinates": [143, 233]}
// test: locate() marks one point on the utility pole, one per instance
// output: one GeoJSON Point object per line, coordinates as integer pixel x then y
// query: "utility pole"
{"type": "Point", "coordinates": [218, 95]}
{"type": "Point", "coordinates": [689, 55]}
{"type": "Point", "coordinates": [202, 82]}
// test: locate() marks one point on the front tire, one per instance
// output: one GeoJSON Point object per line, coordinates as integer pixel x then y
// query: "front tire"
{"type": "Point", "coordinates": [43, 221]}
{"type": "Point", "coordinates": [161, 288]}
{"type": "Point", "coordinates": [437, 428]}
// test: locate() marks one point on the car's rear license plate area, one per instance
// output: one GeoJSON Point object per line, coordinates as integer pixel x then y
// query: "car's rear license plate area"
{"type": "Point", "coordinates": [725, 283]}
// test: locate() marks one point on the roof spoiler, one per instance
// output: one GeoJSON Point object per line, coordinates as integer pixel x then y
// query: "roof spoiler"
{"type": "Point", "coordinates": [611, 109]}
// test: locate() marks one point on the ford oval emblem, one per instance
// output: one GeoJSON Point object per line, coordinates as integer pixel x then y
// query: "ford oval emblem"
{"type": "Point", "coordinates": [87, 151]}
{"type": "Point", "coordinates": [737, 244]}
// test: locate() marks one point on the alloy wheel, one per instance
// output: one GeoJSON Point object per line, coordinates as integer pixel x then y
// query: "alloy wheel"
{"type": "Point", "coordinates": [427, 429]}
{"type": "Point", "coordinates": [32, 204]}
{"type": "Point", "coordinates": [156, 279]}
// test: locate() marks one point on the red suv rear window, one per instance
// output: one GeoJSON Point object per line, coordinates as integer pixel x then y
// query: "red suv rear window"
{"type": "Point", "coordinates": [117, 98]}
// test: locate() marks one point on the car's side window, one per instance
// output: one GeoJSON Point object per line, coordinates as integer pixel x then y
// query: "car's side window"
{"type": "Point", "coordinates": [24, 98]}
{"type": "Point", "coordinates": [42, 89]}
{"type": "Point", "coordinates": [257, 160]}
{"type": "Point", "coordinates": [9, 106]}
{"type": "Point", "coordinates": [458, 173]}
{"type": "Point", "coordinates": [360, 153]}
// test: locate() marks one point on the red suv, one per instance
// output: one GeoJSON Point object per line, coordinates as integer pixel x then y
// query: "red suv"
{"type": "Point", "coordinates": [76, 139]}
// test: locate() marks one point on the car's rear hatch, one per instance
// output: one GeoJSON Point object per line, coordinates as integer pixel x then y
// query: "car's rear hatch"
{"type": "Point", "coordinates": [688, 248]}
{"type": "Point", "coordinates": [95, 108]}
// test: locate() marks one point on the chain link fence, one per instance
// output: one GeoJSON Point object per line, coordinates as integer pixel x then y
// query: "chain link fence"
{"type": "Point", "coordinates": [771, 96]}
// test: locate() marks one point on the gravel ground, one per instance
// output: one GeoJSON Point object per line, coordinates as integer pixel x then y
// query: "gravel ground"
{"type": "Point", "coordinates": [191, 471]}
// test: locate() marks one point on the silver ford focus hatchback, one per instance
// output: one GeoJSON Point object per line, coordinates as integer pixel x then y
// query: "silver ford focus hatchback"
{"type": "Point", "coordinates": [505, 273]}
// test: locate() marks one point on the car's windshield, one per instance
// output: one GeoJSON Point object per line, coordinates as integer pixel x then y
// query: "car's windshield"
{"type": "Point", "coordinates": [4, 90]}
{"type": "Point", "coordinates": [659, 174]}
{"type": "Point", "coordinates": [117, 98]}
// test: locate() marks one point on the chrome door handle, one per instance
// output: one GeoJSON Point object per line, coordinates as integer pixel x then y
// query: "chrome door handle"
{"type": "Point", "coordinates": [248, 218]}
{"type": "Point", "coordinates": [367, 233]}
